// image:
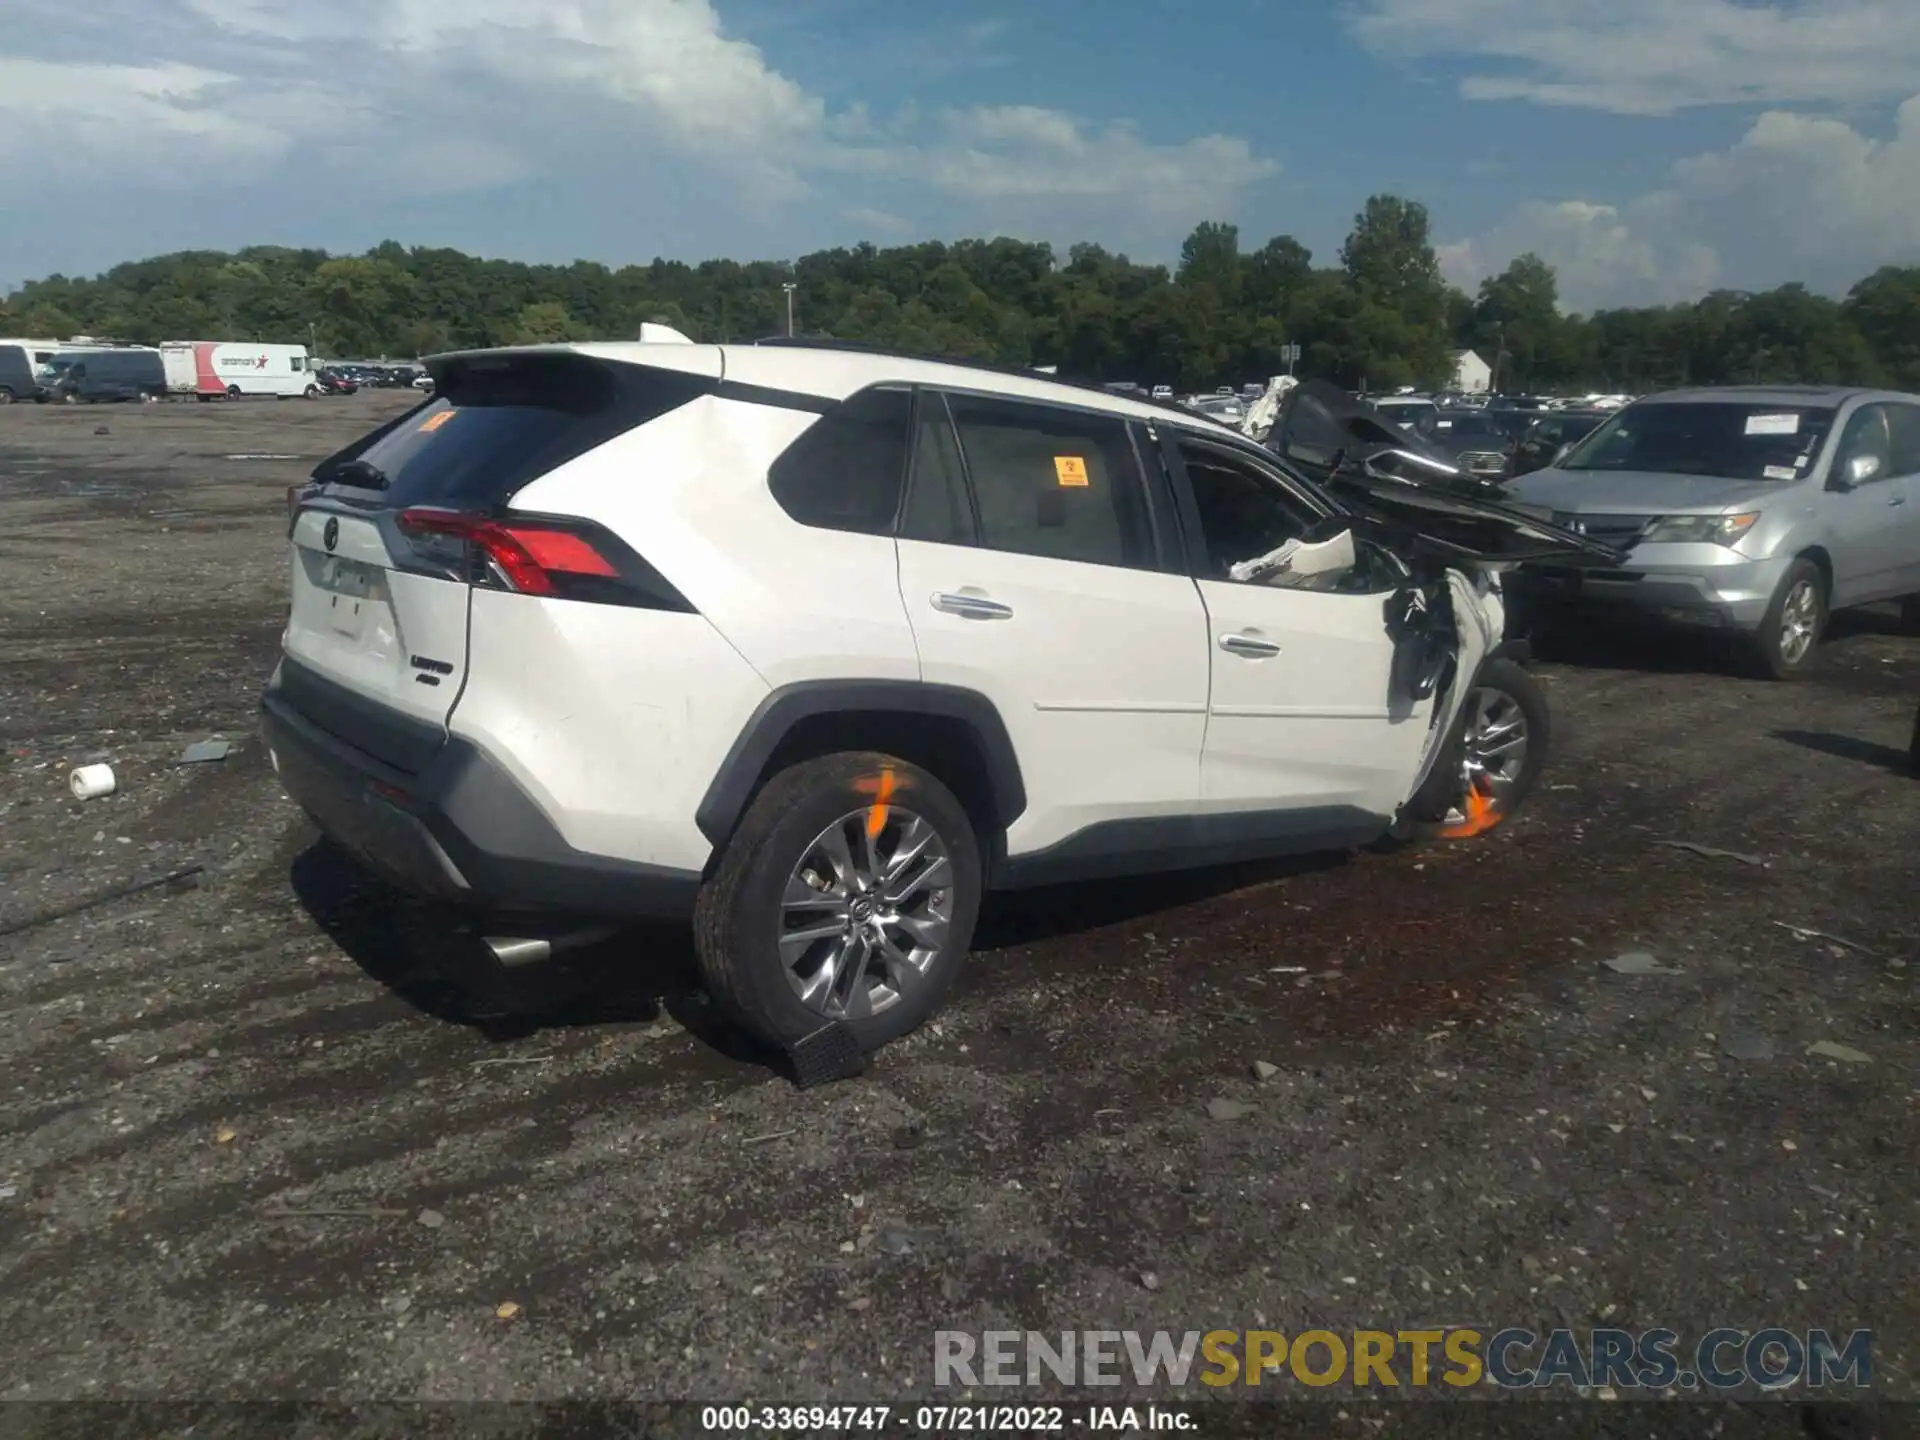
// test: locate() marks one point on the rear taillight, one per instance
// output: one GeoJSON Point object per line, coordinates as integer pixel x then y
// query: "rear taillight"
{"type": "Point", "coordinates": [550, 558]}
{"type": "Point", "coordinates": [297, 495]}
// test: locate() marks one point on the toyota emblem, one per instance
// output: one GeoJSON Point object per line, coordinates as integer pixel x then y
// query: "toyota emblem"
{"type": "Point", "coordinates": [330, 537]}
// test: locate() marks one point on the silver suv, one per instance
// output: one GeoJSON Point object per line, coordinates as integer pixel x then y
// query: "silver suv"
{"type": "Point", "coordinates": [1754, 509]}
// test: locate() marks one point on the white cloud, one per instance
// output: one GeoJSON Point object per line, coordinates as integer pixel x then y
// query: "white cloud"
{"type": "Point", "coordinates": [1653, 57]}
{"type": "Point", "coordinates": [395, 102]}
{"type": "Point", "coordinates": [125, 118]}
{"type": "Point", "coordinates": [1797, 198]}
{"type": "Point", "coordinates": [1024, 152]}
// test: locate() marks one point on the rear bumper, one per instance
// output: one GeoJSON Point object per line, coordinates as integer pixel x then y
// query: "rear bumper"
{"type": "Point", "coordinates": [460, 830]}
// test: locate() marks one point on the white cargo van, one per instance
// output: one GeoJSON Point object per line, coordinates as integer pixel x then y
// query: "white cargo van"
{"type": "Point", "coordinates": [211, 368]}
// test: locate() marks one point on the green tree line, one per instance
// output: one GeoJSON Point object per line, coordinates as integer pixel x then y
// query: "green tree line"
{"type": "Point", "coordinates": [1383, 316]}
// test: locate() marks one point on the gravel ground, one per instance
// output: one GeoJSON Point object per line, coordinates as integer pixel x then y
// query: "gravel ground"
{"type": "Point", "coordinates": [280, 1135]}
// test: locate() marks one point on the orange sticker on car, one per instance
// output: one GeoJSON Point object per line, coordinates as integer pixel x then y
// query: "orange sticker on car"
{"type": "Point", "coordinates": [1071, 470]}
{"type": "Point", "coordinates": [434, 422]}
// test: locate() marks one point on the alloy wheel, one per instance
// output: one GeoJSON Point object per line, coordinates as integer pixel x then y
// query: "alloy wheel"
{"type": "Point", "coordinates": [1799, 622]}
{"type": "Point", "coordinates": [1494, 753]}
{"type": "Point", "coordinates": [866, 912]}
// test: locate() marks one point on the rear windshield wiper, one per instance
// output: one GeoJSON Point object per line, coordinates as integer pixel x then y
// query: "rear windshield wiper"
{"type": "Point", "coordinates": [361, 474]}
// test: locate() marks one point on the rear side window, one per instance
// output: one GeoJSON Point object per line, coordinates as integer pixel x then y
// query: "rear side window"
{"type": "Point", "coordinates": [1059, 484]}
{"type": "Point", "coordinates": [845, 471]}
{"type": "Point", "coordinates": [497, 423]}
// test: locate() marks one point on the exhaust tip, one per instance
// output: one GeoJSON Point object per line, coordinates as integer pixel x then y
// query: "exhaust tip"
{"type": "Point", "coordinates": [514, 952]}
{"type": "Point", "coordinates": [517, 951]}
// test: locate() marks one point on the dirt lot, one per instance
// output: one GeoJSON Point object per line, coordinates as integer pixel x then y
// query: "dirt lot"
{"type": "Point", "coordinates": [1473, 1120]}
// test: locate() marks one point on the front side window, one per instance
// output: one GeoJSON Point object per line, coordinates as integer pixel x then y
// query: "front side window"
{"type": "Point", "coordinates": [845, 471]}
{"type": "Point", "coordinates": [1243, 513]}
{"type": "Point", "coordinates": [1903, 425]}
{"type": "Point", "coordinates": [1054, 483]}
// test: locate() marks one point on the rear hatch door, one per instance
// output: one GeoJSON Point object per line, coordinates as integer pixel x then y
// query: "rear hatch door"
{"type": "Point", "coordinates": [377, 633]}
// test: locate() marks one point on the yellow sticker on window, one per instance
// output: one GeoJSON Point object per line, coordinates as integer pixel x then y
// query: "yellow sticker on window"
{"type": "Point", "coordinates": [1071, 469]}
{"type": "Point", "coordinates": [434, 422]}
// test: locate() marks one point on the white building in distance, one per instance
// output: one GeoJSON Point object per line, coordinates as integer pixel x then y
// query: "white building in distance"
{"type": "Point", "coordinates": [1471, 375]}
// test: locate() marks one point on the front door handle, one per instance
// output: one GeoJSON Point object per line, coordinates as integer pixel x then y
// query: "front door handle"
{"type": "Point", "coordinates": [1251, 647]}
{"type": "Point", "coordinates": [972, 607]}
{"type": "Point", "coordinates": [1898, 500]}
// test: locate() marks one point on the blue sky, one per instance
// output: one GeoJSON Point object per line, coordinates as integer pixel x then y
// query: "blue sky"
{"type": "Point", "coordinates": [1651, 149]}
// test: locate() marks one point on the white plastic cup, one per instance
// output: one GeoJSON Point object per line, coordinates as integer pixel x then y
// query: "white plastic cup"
{"type": "Point", "coordinates": [90, 782]}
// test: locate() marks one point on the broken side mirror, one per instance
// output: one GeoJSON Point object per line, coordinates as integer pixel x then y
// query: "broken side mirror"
{"type": "Point", "coordinates": [1325, 552]}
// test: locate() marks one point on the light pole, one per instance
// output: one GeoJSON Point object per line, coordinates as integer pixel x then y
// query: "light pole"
{"type": "Point", "coordinates": [789, 287]}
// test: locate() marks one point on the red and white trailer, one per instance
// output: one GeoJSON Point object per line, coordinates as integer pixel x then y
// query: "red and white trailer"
{"type": "Point", "coordinates": [214, 368]}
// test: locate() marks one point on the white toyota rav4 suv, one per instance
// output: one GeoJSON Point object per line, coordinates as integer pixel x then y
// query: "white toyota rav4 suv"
{"type": "Point", "coordinates": [815, 645]}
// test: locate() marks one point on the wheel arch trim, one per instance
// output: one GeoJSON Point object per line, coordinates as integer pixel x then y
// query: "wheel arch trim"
{"type": "Point", "coordinates": [739, 777]}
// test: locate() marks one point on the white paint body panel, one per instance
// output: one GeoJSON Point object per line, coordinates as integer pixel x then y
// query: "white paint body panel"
{"type": "Point", "coordinates": [358, 622]}
{"type": "Point", "coordinates": [613, 719]}
{"type": "Point", "coordinates": [1100, 676]}
{"type": "Point", "coordinates": [1312, 725]}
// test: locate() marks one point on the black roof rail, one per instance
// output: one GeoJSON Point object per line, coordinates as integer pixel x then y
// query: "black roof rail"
{"type": "Point", "coordinates": [861, 347]}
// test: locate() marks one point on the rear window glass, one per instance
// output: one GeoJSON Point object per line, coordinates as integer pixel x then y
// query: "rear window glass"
{"type": "Point", "coordinates": [1729, 440]}
{"type": "Point", "coordinates": [498, 423]}
{"type": "Point", "coordinates": [846, 469]}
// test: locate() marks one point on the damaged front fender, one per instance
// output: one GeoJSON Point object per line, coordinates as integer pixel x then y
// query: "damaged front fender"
{"type": "Point", "coordinates": [1450, 631]}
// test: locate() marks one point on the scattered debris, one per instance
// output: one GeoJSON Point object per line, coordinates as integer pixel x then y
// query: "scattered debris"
{"type": "Point", "coordinates": [432, 1219]}
{"type": "Point", "coordinates": [895, 1238]}
{"type": "Point", "coordinates": [101, 430]}
{"type": "Point", "coordinates": [1221, 1108]}
{"type": "Point", "coordinates": [780, 1135]}
{"type": "Point", "coordinates": [1711, 852]}
{"type": "Point", "coordinates": [398, 1304]}
{"type": "Point", "coordinates": [1149, 1280]}
{"type": "Point", "coordinates": [202, 752]}
{"type": "Point", "coordinates": [1788, 1146]}
{"type": "Point", "coordinates": [225, 1135]}
{"type": "Point", "coordinates": [1265, 1070]}
{"type": "Point", "coordinates": [263, 457]}
{"type": "Point", "coordinates": [1288, 970]}
{"type": "Point", "coordinates": [91, 782]}
{"type": "Point", "coordinates": [1638, 962]}
{"type": "Point", "coordinates": [188, 878]}
{"type": "Point", "coordinates": [1747, 1046]}
{"type": "Point", "coordinates": [512, 1060]}
{"type": "Point", "coordinates": [507, 1310]}
{"type": "Point", "coordinates": [860, 1302]}
{"type": "Point", "coordinates": [1827, 1050]}
{"type": "Point", "coordinates": [1801, 932]}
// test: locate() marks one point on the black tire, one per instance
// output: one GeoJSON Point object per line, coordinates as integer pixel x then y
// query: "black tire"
{"type": "Point", "coordinates": [1440, 810]}
{"type": "Point", "coordinates": [738, 914]}
{"type": "Point", "coordinates": [1910, 614]}
{"type": "Point", "coordinates": [233, 392]}
{"type": "Point", "coordinates": [1765, 655]}
{"type": "Point", "coordinates": [6, 396]}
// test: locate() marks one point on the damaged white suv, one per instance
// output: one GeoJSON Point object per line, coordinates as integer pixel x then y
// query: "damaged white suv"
{"type": "Point", "coordinates": [815, 645]}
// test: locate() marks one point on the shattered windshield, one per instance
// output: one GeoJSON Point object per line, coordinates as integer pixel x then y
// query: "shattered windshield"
{"type": "Point", "coordinates": [1726, 440]}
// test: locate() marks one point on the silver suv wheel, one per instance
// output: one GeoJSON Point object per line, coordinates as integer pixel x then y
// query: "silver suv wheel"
{"type": "Point", "coordinates": [866, 912]}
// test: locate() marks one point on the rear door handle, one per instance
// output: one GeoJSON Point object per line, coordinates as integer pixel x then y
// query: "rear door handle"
{"type": "Point", "coordinates": [1252, 647]}
{"type": "Point", "coordinates": [1898, 500]}
{"type": "Point", "coordinates": [972, 607]}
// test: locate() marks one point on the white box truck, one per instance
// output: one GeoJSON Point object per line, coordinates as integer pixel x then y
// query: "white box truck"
{"type": "Point", "coordinates": [214, 368]}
